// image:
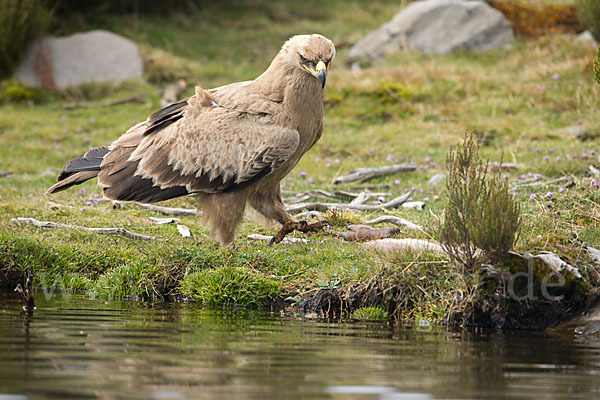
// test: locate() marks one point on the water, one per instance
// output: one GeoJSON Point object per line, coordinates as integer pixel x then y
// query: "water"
{"type": "Point", "coordinates": [79, 348]}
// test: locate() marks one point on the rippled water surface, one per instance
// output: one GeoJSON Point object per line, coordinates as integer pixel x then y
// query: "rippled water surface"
{"type": "Point", "coordinates": [80, 348]}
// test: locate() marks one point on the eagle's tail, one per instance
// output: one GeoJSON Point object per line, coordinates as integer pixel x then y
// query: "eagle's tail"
{"type": "Point", "coordinates": [80, 169]}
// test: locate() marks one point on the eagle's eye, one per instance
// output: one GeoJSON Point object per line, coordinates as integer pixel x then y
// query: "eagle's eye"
{"type": "Point", "coordinates": [303, 60]}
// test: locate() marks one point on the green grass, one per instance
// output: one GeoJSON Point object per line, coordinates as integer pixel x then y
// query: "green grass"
{"type": "Point", "coordinates": [409, 107]}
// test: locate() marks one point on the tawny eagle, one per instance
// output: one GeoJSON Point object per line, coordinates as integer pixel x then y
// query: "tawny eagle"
{"type": "Point", "coordinates": [229, 146]}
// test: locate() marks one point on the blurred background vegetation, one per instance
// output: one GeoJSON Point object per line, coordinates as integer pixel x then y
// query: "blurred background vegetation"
{"type": "Point", "coordinates": [23, 20]}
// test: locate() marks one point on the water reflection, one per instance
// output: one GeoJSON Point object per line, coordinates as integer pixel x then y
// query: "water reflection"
{"type": "Point", "coordinates": [78, 348]}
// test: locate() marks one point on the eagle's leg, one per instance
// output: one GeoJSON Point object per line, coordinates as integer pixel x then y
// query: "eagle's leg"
{"type": "Point", "coordinates": [223, 212]}
{"type": "Point", "coordinates": [302, 226]}
{"type": "Point", "coordinates": [271, 206]}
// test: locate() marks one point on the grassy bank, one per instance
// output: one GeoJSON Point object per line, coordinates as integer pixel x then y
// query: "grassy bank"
{"type": "Point", "coordinates": [410, 107]}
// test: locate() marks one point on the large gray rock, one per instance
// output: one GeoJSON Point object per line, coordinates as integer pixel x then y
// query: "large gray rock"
{"type": "Point", "coordinates": [95, 56]}
{"type": "Point", "coordinates": [440, 27]}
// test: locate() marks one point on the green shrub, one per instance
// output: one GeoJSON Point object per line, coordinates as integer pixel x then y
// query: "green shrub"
{"type": "Point", "coordinates": [227, 286]}
{"type": "Point", "coordinates": [371, 314]}
{"type": "Point", "coordinates": [588, 12]}
{"type": "Point", "coordinates": [480, 212]}
{"type": "Point", "coordinates": [13, 91]}
{"type": "Point", "coordinates": [20, 21]}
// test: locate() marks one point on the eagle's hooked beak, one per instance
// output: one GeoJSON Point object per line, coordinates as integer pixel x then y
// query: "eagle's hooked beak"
{"type": "Point", "coordinates": [322, 73]}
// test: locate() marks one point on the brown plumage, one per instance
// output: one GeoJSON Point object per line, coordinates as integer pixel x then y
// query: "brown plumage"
{"type": "Point", "coordinates": [230, 146]}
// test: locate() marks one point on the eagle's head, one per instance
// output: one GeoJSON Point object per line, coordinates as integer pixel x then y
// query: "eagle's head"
{"type": "Point", "coordinates": [310, 53]}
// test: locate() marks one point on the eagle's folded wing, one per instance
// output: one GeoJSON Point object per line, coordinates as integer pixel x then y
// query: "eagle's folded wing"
{"type": "Point", "coordinates": [194, 146]}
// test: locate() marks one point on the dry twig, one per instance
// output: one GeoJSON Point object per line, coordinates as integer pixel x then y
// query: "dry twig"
{"type": "Point", "coordinates": [102, 231]}
{"type": "Point", "coordinates": [287, 239]}
{"type": "Point", "coordinates": [361, 174]}
{"type": "Point", "coordinates": [398, 201]}
{"type": "Point", "coordinates": [395, 220]}
{"type": "Point", "coordinates": [169, 210]}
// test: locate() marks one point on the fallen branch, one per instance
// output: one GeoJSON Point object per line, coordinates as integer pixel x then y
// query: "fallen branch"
{"type": "Point", "coordinates": [162, 221]}
{"type": "Point", "coordinates": [541, 183]}
{"type": "Point", "coordinates": [361, 174]}
{"type": "Point", "coordinates": [396, 221]}
{"type": "Point", "coordinates": [362, 198]}
{"type": "Point", "coordinates": [350, 195]}
{"type": "Point", "coordinates": [417, 205]}
{"type": "Point", "coordinates": [309, 215]}
{"type": "Point", "coordinates": [398, 201]}
{"type": "Point", "coordinates": [286, 240]}
{"type": "Point", "coordinates": [102, 231]}
{"type": "Point", "coordinates": [168, 210]}
{"type": "Point", "coordinates": [338, 194]}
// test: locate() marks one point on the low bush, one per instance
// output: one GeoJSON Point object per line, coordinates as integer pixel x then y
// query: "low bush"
{"type": "Point", "coordinates": [480, 213]}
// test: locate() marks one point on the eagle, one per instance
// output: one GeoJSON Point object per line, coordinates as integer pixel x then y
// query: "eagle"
{"type": "Point", "coordinates": [230, 147]}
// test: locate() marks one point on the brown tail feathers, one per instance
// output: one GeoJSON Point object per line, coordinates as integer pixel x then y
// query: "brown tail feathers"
{"type": "Point", "coordinates": [80, 169]}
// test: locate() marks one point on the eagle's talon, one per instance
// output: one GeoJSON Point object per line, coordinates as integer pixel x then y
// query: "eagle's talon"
{"type": "Point", "coordinates": [304, 227]}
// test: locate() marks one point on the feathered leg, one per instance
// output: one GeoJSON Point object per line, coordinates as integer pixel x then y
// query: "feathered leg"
{"type": "Point", "coordinates": [223, 212]}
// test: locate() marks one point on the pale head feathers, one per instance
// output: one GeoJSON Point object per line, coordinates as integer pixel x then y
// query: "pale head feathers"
{"type": "Point", "coordinates": [307, 49]}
